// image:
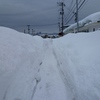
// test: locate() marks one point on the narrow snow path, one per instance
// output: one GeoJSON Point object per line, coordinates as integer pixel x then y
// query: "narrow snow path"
{"type": "Point", "coordinates": [32, 68]}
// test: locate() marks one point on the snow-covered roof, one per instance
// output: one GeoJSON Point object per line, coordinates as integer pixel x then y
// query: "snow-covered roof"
{"type": "Point", "coordinates": [89, 19]}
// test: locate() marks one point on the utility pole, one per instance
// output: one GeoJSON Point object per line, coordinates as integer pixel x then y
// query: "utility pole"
{"type": "Point", "coordinates": [59, 26]}
{"type": "Point", "coordinates": [33, 32]}
{"type": "Point", "coordinates": [28, 29]}
{"type": "Point", "coordinates": [62, 15]}
{"type": "Point", "coordinates": [76, 14]}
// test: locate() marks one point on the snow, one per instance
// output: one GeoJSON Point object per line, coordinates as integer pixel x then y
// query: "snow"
{"type": "Point", "coordinates": [32, 68]}
{"type": "Point", "coordinates": [86, 21]}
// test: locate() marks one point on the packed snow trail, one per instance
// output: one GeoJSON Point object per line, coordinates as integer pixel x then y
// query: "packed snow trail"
{"type": "Point", "coordinates": [32, 68]}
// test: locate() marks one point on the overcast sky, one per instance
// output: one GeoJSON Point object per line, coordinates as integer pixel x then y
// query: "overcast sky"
{"type": "Point", "coordinates": [42, 15]}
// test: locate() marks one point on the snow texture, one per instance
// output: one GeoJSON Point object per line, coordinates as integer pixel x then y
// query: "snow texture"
{"type": "Point", "coordinates": [32, 68]}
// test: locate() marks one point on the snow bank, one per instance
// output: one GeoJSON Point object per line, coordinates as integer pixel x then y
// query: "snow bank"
{"type": "Point", "coordinates": [67, 68]}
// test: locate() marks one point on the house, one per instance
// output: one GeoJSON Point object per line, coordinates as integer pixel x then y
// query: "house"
{"type": "Point", "coordinates": [88, 24]}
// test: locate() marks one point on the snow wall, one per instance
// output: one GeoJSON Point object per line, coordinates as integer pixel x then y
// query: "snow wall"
{"type": "Point", "coordinates": [32, 68]}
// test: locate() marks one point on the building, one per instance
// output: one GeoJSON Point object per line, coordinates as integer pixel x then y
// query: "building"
{"type": "Point", "coordinates": [88, 24]}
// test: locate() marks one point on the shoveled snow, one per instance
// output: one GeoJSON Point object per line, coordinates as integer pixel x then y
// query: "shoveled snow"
{"type": "Point", "coordinates": [32, 68]}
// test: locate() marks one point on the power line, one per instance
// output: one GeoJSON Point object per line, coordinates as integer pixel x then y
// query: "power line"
{"type": "Point", "coordinates": [72, 10]}
{"type": "Point", "coordinates": [86, 1]}
{"type": "Point", "coordinates": [75, 13]}
{"type": "Point", "coordinates": [80, 7]}
{"type": "Point", "coordinates": [45, 24]}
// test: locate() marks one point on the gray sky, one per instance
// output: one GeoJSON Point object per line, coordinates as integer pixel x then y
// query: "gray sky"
{"type": "Point", "coordinates": [40, 14]}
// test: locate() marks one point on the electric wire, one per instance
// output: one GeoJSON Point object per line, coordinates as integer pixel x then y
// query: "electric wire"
{"type": "Point", "coordinates": [86, 1]}
{"type": "Point", "coordinates": [80, 7]}
{"type": "Point", "coordinates": [68, 8]}
{"type": "Point", "coordinates": [45, 24]}
{"type": "Point", "coordinates": [72, 12]}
